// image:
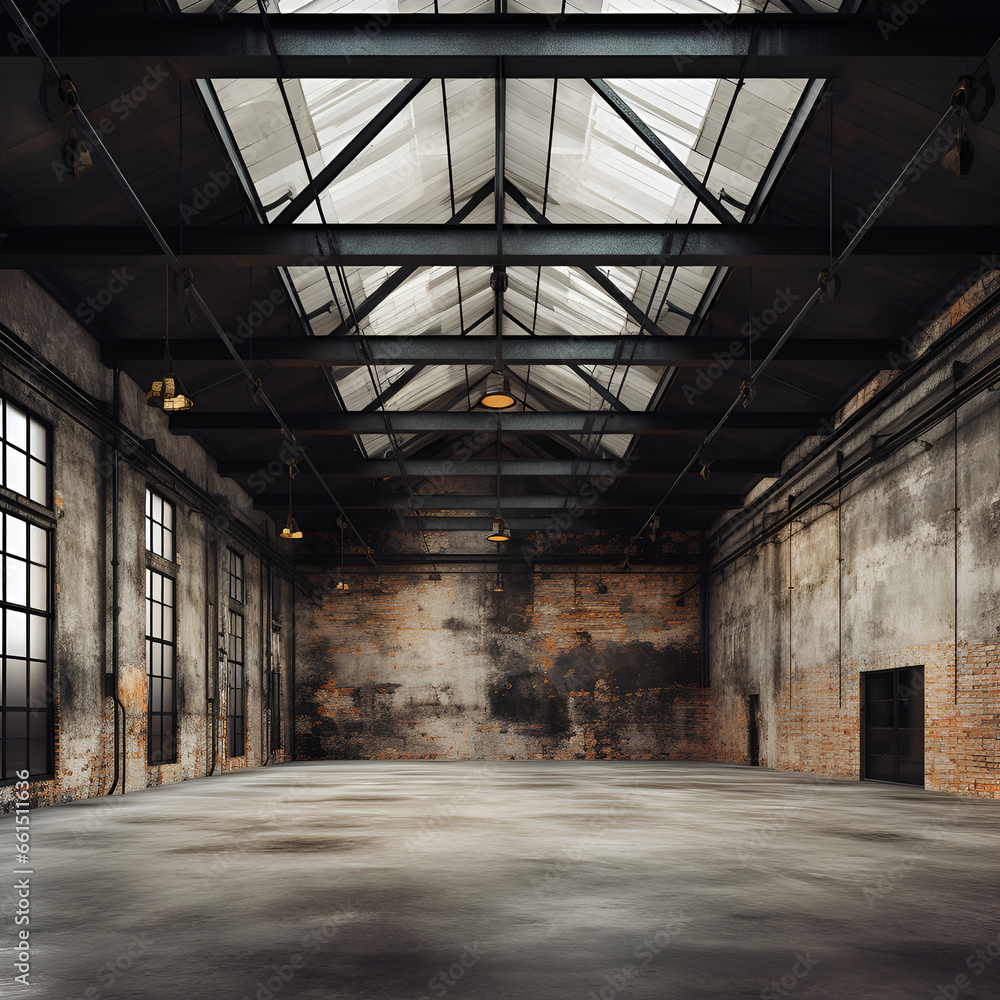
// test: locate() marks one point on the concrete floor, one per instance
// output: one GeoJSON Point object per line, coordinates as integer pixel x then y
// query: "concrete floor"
{"type": "Point", "coordinates": [514, 879]}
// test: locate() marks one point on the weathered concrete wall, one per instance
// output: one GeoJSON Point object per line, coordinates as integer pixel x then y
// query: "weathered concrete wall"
{"type": "Point", "coordinates": [918, 584]}
{"type": "Point", "coordinates": [549, 668]}
{"type": "Point", "coordinates": [82, 649]}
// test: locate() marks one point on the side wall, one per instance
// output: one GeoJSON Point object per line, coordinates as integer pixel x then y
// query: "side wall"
{"type": "Point", "coordinates": [549, 668]}
{"type": "Point", "coordinates": [81, 521]}
{"type": "Point", "coordinates": [884, 574]}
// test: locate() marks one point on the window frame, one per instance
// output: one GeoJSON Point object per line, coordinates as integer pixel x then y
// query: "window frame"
{"type": "Point", "coordinates": [236, 670]}
{"type": "Point", "coordinates": [238, 579]}
{"type": "Point", "coordinates": [163, 643]}
{"type": "Point", "coordinates": [151, 496]}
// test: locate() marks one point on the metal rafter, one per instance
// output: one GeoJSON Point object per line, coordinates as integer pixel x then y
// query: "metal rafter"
{"type": "Point", "coordinates": [367, 350]}
{"type": "Point", "coordinates": [663, 152]}
{"type": "Point", "coordinates": [580, 46]}
{"type": "Point", "coordinates": [565, 422]}
{"type": "Point", "coordinates": [351, 151]}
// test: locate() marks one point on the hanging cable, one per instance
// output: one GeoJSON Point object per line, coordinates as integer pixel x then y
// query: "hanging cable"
{"type": "Point", "coordinates": [184, 276]}
{"type": "Point", "coordinates": [837, 264]}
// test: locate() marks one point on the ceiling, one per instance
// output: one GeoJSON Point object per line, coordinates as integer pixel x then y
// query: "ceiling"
{"type": "Point", "coordinates": [642, 221]}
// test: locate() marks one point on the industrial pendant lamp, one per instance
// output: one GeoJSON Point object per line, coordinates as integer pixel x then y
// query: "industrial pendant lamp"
{"type": "Point", "coordinates": [500, 532]}
{"type": "Point", "coordinates": [167, 392]}
{"type": "Point", "coordinates": [291, 528]}
{"type": "Point", "coordinates": [498, 585]}
{"type": "Point", "coordinates": [497, 395]}
{"type": "Point", "coordinates": [342, 583]}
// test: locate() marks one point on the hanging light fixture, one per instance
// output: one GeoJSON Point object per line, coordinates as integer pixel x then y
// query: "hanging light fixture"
{"type": "Point", "coordinates": [291, 528]}
{"type": "Point", "coordinates": [497, 395]}
{"type": "Point", "coordinates": [958, 156]}
{"type": "Point", "coordinates": [498, 584]}
{"type": "Point", "coordinates": [167, 392]}
{"type": "Point", "coordinates": [342, 583]}
{"type": "Point", "coordinates": [500, 532]}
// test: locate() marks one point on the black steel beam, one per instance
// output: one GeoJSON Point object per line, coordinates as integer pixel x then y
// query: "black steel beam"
{"type": "Point", "coordinates": [475, 245]}
{"type": "Point", "coordinates": [663, 152]}
{"type": "Point", "coordinates": [391, 390]}
{"type": "Point", "coordinates": [544, 521]}
{"type": "Point", "coordinates": [535, 46]}
{"type": "Point", "coordinates": [350, 152]}
{"type": "Point", "coordinates": [446, 469]}
{"type": "Point", "coordinates": [400, 503]}
{"type": "Point", "coordinates": [567, 422]}
{"type": "Point", "coordinates": [355, 352]}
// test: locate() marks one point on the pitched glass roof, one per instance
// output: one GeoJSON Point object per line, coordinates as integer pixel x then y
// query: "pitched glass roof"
{"type": "Point", "coordinates": [567, 151]}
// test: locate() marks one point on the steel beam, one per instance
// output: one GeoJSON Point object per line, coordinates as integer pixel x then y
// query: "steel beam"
{"type": "Point", "coordinates": [350, 152]}
{"type": "Point", "coordinates": [475, 245]}
{"type": "Point", "coordinates": [663, 152]}
{"type": "Point", "coordinates": [535, 46]}
{"type": "Point", "coordinates": [567, 422]}
{"type": "Point", "coordinates": [356, 352]}
{"type": "Point", "coordinates": [425, 505]}
{"type": "Point", "coordinates": [445, 469]}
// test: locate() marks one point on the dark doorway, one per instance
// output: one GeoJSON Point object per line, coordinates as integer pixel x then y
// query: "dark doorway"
{"type": "Point", "coordinates": [894, 725]}
{"type": "Point", "coordinates": [754, 721]}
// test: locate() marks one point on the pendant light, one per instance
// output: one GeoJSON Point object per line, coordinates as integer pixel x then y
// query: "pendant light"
{"type": "Point", "coordinates": [500, 532]}
{"type": "Point", "coordinates": [167, 392]}
{"type": "Point", "coordinates": [342, 583]}
{"type": "Point", "coordinates": [497, 395]}
{"type": "Point", "coordinates": [291, 528]}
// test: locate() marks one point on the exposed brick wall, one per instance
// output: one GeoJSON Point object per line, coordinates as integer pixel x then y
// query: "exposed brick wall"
{"type": "Point", "coordinates": [896, 570]}
{"type": "Point", "coordinates": [549, 668]}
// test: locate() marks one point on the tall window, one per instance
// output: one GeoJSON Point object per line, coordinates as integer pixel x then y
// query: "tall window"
{"type": "Point", "coordinates": [237, 587]}
{"type": "Point", "coordinates": [27, 691]}
{"type": "Point", "coordinates": [159, 526]}
{"type": "Point", "coordinates": [235, 689]}
{"type": "Point", "coordinates": [25, 454]}
{"type": "Point", "coordinates": [161, 656]}
{"type": "Point", "coordinates": [26, 709]}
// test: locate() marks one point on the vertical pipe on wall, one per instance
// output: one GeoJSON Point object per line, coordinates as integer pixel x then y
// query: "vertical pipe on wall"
{"type": "Point", "coordinates": [840, 584]}
{"type": "Point", "coordinates": [955, 533]}
{"type": "Point", "coordinates": [119, 735]}
{"type": "Point", "coordinates": [706, 678]}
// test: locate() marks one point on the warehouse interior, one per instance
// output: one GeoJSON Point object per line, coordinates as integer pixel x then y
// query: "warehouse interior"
{"type": "Point", "coordinates": [509, 488]}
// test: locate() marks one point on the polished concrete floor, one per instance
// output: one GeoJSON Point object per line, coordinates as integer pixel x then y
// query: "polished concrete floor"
{"type": "Point", "coordinates": [513, 879]}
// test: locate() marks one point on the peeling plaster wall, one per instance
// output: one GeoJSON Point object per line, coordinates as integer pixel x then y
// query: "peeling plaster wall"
{"type": "Point", "coordinates": [917, 586]}
{"type": "Point", "coordinates": [547, 669]}
{"type": "Point", "coordinates": [82, 651]}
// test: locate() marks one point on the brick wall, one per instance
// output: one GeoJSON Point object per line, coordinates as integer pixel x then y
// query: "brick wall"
{"type": "Point", "coordinates": [549, 668]}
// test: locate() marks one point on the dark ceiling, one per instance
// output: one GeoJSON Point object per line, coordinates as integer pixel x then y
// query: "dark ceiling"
{"type": "Point", "coordinates": [878, 108]}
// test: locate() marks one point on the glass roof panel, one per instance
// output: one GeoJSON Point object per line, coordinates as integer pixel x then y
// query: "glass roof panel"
{"type": "Point", "coordinates": [568, 152]}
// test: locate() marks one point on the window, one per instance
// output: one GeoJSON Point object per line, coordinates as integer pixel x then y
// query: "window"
{"type": "Point", "coordinates": [236, 583]}
{"type": "Point", "coordinates": [161, 652]}
{"type": "Point", "coordinates": [235, 681]}
{"type": "Point", "coordinates": [27, 616]}
{"type": "Point", "coordinates": [159, 526]}
{"type": "Point", "coordinates": [25, 455]}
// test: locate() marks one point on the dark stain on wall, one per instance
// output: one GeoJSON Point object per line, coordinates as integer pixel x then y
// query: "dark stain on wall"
{"type": "Point", "coordinates": [522, 697]}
